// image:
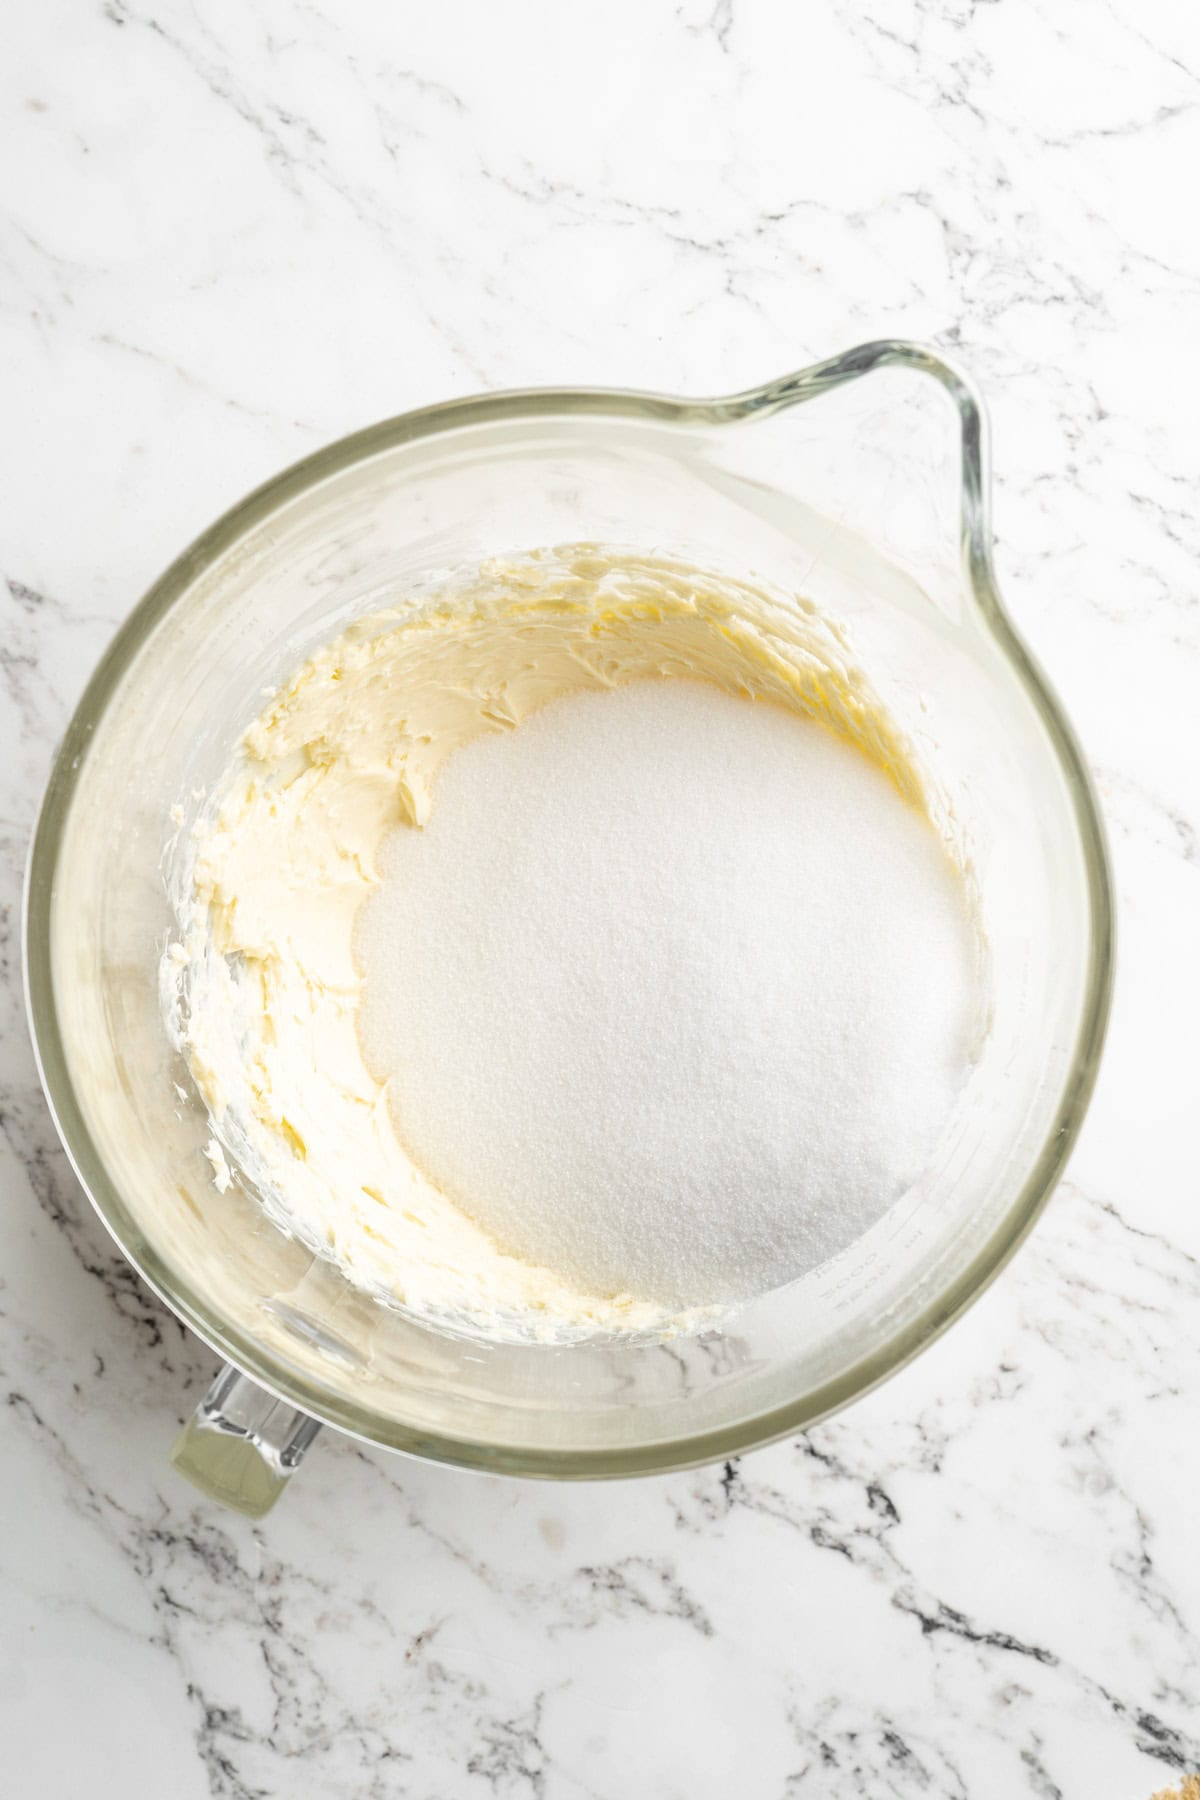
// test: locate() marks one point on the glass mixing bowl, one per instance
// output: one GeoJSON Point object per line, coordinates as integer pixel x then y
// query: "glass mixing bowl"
{"type": "Point", "coordinates": [860, 483]}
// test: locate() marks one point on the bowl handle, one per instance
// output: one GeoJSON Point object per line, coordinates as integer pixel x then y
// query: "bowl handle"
{"type": "Point", "coordinates": [975, 530]}
{"type": "Point", "coordinates": [241, 1444]}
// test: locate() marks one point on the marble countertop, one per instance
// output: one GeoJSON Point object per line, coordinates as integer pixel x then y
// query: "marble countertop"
{"type": "Point", "coordinates": [228, 234]}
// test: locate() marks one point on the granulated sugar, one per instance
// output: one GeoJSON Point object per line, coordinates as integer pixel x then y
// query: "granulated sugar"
{"type": "Point", "coordinates": [674, 992]}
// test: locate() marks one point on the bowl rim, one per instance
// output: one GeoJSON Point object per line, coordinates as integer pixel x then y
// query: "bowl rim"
{"type": "Point", "coordinates": [657, 1456]}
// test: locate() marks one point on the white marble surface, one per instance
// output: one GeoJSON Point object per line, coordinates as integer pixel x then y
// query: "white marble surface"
{"type": "Point", "coordinates": [230, 232]}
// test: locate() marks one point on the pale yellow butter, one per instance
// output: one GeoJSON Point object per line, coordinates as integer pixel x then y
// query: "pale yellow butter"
{"type": "Point", "coordinates": [348, 749]}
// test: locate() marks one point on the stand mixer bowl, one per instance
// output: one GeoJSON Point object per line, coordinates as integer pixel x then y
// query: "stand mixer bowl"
{"type": "Point", "coordinates": [860, 484]}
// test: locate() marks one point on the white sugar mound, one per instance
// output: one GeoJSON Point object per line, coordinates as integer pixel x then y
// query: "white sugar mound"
{"type": "Point", "coordinates": [674, 992]}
